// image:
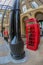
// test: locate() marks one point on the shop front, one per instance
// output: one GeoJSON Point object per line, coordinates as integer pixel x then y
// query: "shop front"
{"type": "Point", "coordinates": [39, 17]}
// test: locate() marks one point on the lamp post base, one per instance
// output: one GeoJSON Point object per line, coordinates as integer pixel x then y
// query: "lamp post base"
{"type": "Point", "coordinates": [17, 49]}
{"type": "Point", "coordinates": [18, 57]}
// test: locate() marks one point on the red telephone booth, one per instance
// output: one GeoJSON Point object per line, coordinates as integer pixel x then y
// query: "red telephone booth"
{"type": "Point", "coordinates": [32, 34]}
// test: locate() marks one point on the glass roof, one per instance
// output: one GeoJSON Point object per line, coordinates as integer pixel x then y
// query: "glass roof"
{"type": "Point", "coordinates": [6, 3]}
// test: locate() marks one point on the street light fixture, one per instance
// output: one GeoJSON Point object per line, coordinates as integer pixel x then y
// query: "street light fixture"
{"type": "Point", "coordinates": [17, 44]}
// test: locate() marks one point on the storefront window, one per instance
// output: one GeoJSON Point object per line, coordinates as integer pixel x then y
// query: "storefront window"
{"type": "Point", "coordinates": [41, 27]}
{"type": "Point", "coordinates": [42, 24]}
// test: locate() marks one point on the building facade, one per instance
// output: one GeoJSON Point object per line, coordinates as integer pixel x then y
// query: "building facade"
{"type": "Point", "coordinates": [31, 9]}
{"type": "Point", "coordinates": [5, 5]}
{"type": "Point", "coordinates": [6, 20]}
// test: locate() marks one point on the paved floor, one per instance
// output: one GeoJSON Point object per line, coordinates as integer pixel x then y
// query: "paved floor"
{"type": "Point", "coordinates": [3, 47]}
{"type": "Point", "coordinates": [33, 57]}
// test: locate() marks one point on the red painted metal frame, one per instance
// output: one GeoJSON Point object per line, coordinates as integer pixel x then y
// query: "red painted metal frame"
{"type": "Point", "coordinates": [32, 34]}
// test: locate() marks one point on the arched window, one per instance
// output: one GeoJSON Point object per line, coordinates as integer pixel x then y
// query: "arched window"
{"type": "Point", "coordinates": [25, 18]}
{"type": "Point", "coordinates": [41, 1]}
{"type": "Point", "coordinates": [24, 25]}
{"type": "Point", "coordinates": [39, 16]}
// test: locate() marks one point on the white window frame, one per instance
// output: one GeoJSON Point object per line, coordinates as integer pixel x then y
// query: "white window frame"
{"type": "Point", "coordinates": [24, 8]}
{"type": "Point", "coordinates": [23, 2]}
{"type": "Point", "coordinates": [34, 4]}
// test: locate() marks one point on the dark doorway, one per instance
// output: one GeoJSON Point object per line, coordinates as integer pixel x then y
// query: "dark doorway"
{"type": "Point", "coordinates": [39, 17]}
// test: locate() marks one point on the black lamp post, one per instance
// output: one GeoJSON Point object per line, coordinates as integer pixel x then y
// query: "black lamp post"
{"type": "Point", "coordinates": [17, 44]}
